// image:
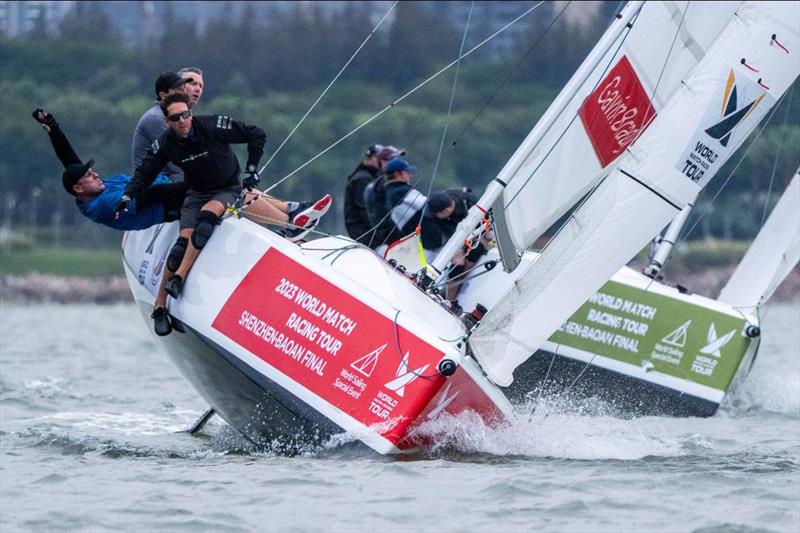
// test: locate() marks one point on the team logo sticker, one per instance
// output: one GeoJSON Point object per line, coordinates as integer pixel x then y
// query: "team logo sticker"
{"type": "Point", "coordinates": [731, 114]}
{"type": "Point", "coordinates": [617, 112]}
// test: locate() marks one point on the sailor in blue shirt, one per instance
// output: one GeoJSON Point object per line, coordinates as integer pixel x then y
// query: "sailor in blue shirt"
{"type": "Point", "coordinates": [96, 198]}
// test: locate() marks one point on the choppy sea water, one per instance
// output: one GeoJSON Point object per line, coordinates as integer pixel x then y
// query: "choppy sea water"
{"type": "Point", "coordinates": [91, 414]}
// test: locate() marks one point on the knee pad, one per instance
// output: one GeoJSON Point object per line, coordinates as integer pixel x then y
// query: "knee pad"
{"type": "Point", "coordinates": [206, 221]}
{"type": "Point", "coordinates": [176, 254]}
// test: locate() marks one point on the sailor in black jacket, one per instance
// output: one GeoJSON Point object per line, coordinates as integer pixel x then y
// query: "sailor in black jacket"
{"type": "Point", "coordinates": [200, 146]}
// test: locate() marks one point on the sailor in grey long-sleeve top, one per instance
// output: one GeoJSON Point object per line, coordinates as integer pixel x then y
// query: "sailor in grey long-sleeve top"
{"type": "Point", "coordinates": [149, 128]}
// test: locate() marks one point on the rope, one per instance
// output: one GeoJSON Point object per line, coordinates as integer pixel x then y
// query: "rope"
{"type": "Point", "coordinates": [575, 116]}
{"type": "Point", "coordinates": [777, 157]}
{"type": "Point", "coordinates": [406, 95]}
{"type": "Point", "coordinates": [510, 74]}
{"type": "Point", "coordinates": [449, 111]}
{"type": "Point", "coordinates": [335, 78]}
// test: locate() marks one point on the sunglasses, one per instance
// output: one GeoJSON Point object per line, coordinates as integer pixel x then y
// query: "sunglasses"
{"type": "Point", "coordinates": [177, 116]}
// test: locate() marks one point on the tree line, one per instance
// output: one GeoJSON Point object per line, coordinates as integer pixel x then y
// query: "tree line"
{"type": "Point", "coordinates": [269, 72]}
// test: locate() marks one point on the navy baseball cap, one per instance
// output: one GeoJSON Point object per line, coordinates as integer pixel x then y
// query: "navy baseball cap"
{"type": "Point", "coordinates": [398, 164]}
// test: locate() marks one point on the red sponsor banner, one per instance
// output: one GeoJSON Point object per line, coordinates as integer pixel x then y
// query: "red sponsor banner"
{"type": "Point", "coordinates": [617, 112]}
{"type": "Point", "coordinates": [332, 344]}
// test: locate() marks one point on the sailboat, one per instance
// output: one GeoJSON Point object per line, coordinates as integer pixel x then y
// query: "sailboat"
{"type": "Point", "coordinates": [305, 342]}
{"type": "Point", "coordinates": [647, 348]}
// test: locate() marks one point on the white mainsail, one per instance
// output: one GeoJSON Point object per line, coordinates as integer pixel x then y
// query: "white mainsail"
{"type": "Point", "coordinates": [609, 110]}
{"type": "Point", "coordinates": [774, 252]}
{"type": "Point", "coordinates": [706, 117]}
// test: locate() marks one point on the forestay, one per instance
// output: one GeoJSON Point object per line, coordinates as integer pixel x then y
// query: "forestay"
{"type": "Point", "coordinates": [609, 110]}
{"type": "Point", "coordinates": [705, 118]}
{"type": "Point", "coordinates": [774, 252]}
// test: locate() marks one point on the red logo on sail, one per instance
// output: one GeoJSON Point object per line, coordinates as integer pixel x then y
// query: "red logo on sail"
{"type": "Point", "coordinates": [617, 112]}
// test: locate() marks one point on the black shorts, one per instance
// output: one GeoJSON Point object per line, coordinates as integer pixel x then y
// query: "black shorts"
{"type": "Point", "coordinates": [171, 195]}
{"type": "Point", "coordinates": [194, 201]}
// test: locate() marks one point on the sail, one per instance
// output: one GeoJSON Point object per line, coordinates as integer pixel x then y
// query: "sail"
{"type": "Point", "coordinates": [611, 108]}
{"type": "Point", "coordinates": [705, 119]}
{"type": "Point", "coordinates": [774, 252]}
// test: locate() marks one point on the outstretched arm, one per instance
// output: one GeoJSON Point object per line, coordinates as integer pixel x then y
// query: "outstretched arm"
{"type": "Point", "coordinates": [61, 145]}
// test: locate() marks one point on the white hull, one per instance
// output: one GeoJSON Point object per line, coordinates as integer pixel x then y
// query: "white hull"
{"type": "Point", "coordinates": [287, 341]}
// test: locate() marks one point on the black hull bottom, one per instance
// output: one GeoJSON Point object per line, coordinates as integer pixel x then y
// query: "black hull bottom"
{"type": "Point", "coordinates": [623, 395]}
{"type": "Point", "coordinates": [259, 408]}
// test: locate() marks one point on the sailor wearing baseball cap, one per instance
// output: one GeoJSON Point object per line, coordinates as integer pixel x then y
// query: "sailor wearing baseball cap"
{"type": "Point", "coordinates": [394, 205]}
{"type": "Point", "coordinates": [151, 124]}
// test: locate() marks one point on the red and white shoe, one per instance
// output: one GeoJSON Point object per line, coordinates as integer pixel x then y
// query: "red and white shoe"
{"type": "Point", "coordinates": [311, 212]}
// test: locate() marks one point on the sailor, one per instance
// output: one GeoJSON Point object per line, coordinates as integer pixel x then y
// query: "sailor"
{"type": "Point", "coordinates": [445, 209]}
{"type": "Point", "coordinates": [356, 219]}
{"type": "Point", "coordinates": [96, 198]}
{"type": "Point", "coordinates": [152, 125]}
{"type": "Point", "coordinates": [393, 204]}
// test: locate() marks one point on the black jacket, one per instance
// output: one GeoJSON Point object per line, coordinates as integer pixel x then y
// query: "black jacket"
{"type": "Point", "coordinates": [356, 219]}
{"type": "Point", "coordinates": [435, 231]}
{"type": "Point", "coordinates": [205, 156]}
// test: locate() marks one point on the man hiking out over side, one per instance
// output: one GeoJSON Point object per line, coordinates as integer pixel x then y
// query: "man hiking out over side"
{"type": "Point", "coordinates": [201, 147]}
{"type": "Point", "coordinates": [96, 198]}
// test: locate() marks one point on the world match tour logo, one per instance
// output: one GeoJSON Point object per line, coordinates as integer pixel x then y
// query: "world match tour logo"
{"type": "Point", "coordinates": [731, 116]}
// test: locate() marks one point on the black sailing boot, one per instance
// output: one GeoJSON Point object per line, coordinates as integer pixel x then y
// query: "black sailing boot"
{"type": "Point", "coordinates": [161, 322]}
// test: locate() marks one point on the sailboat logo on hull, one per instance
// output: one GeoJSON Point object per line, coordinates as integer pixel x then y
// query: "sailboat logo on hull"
{"type": "Point", "coordinates": [404, 376]}
{"type": "Point", "coordinates": [715, 343]}
{"type": "Point", "coordinates": [677, 337]}
{"type": "Point", "coordinates": [365, 365]}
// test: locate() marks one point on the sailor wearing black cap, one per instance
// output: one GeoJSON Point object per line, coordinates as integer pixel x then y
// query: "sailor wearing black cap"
{"type": "Point", "coordinates": [151, 125]}
{"type": "Point", "coordinates": [96, 198]}
{"type": "Point", "coordinates": [355, 214]}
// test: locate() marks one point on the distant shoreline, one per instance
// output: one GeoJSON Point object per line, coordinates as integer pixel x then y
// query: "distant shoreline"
{"type": "Point", "coordinates": [41, 288]}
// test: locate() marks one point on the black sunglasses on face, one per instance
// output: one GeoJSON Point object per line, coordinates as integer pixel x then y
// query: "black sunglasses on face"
{"type": "Point", "coordinates": [177, 116]}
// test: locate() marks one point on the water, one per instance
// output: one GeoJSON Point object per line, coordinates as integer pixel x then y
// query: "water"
{"type": "Point", "coordinates": [91, 414]}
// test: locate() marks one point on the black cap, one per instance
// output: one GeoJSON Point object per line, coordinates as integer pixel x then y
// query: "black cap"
{"type": "Point", "coordinates": [169, 80]}
{"type": "Point", "coordinates": [439, 201]}
{"type": "Point", "coordinates": [373, 149]}
{"type": "Point", "coordinates": [73, 173]}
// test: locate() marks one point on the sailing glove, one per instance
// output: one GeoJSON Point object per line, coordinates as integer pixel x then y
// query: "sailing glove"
{"type": "Point", "coordinates": [123, 204]}
{"type": "Point", "coordinates": [251, 178]}
{"type": "Point", "coordinates": [44, 118]}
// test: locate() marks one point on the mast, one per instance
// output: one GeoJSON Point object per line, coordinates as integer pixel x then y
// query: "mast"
{"type": "Point", "coordinates": [495, 188]}
{"type": "Point", "coordinates": [666, 243]}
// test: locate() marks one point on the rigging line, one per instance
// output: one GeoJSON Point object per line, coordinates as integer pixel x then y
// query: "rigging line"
{"type": "Point", "coordinates": [777, 157]}
{"type": "Point", "coordinates": [575, 116]}
{"type": "Point", "coordinates": [400, 350]}
{"type": "Point", "coordinates": [406, 95]}
{"type": "Point", "coordinates": [449, 111]}
{"type": "Point", "coordinates": [335, 78]}
{"type": "Point", "coordinates": [735, 168]}
{"type": "Point", "coordinates": [510, 75]}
